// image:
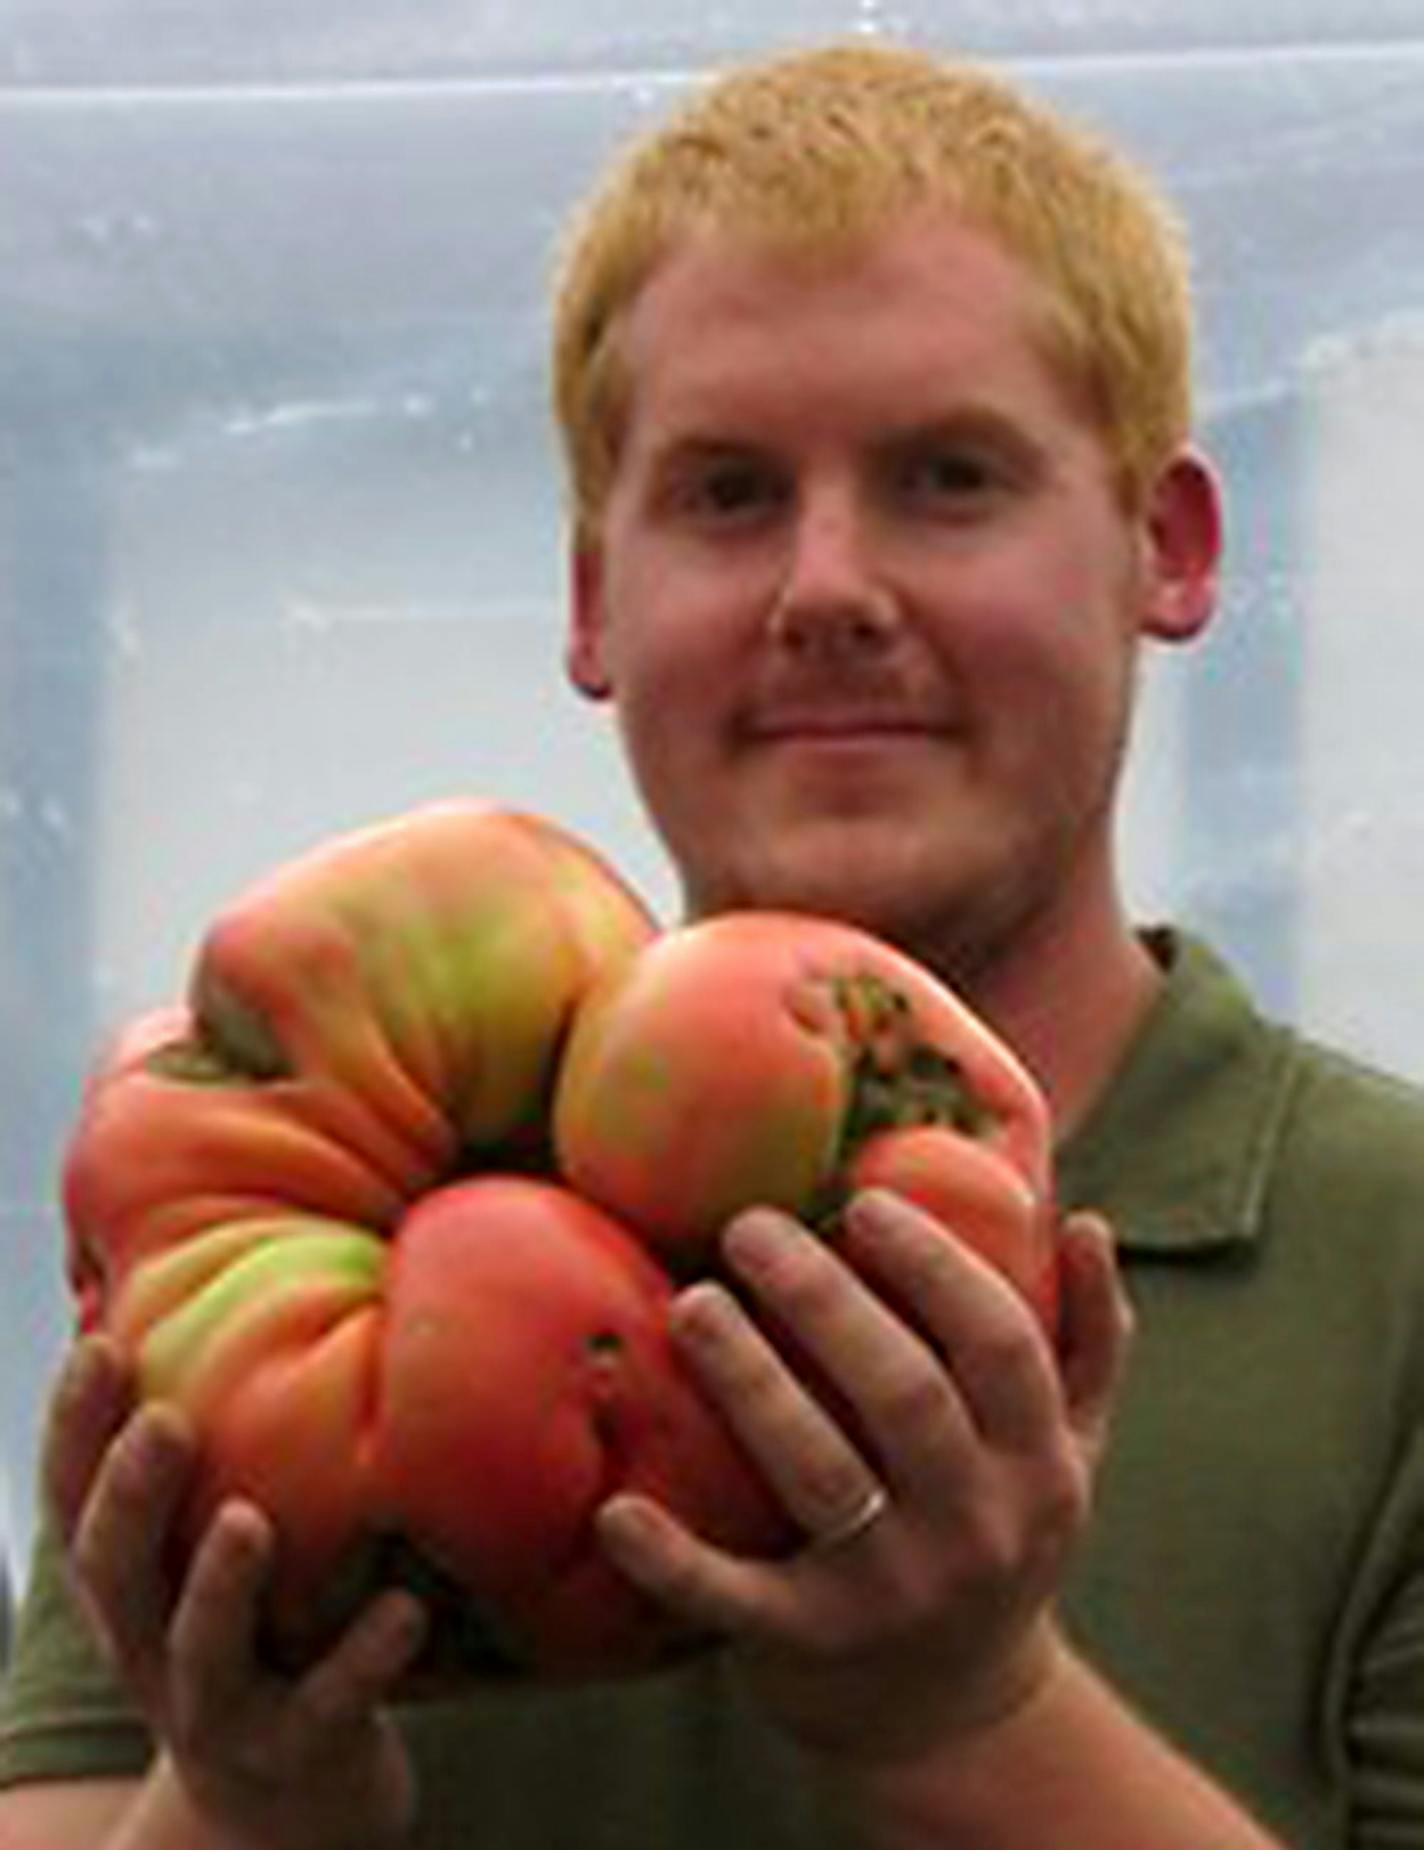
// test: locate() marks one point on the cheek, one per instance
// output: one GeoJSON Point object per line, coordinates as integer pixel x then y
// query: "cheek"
{"type": "Point", "coordinates": [1050, 670]}
{"type": "Point", "coordinates": [666, 679]}
{"type": "Point", "coordinates": [676, 636]}
{"type": "Point", "coordinates": [1067, 612]}
{"type": "Point", "coordinates": [666, 689]}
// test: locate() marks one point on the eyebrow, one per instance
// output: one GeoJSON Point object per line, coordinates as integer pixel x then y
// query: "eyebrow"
{"type": "Point", "coordinates": [974, 424]}
{"type": "Point", "coordinates": [692, 452]}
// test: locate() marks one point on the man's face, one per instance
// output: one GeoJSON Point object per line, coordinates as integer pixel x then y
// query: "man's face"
{"type": "Point", "coordinates": [863, 592]}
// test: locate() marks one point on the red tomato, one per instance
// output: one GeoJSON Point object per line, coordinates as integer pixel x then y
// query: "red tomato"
{"type": "Point", "coordinates": [982, 1199]}
{"type": "Point", "coordinates": [526, 1376]}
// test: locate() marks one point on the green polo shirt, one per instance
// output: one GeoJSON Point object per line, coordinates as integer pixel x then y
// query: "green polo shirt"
{"type": "Point", "coordinates": [1254, 1577]}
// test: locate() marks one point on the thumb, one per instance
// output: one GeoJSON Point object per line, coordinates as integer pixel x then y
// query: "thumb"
{"type": "Point", "coordinates": [1095, 1333]}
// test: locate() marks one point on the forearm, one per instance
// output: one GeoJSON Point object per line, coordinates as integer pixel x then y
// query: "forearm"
{"type": "Point", "coordinates": [1073, 1765]}
{"type": "Point", "coordinates": [105, 1814]}
{"type": "Point", "coordinates": [162, 1817]}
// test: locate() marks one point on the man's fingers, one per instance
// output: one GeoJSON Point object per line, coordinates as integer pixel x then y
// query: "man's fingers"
{"type": "Point", "coordinates": [120, 1540]}
{"type": "Point", "coordinates": [380, 1645]}
{"type": "Point", "coordinates": [210, 1639]}
{"type": "Point", "coordinates": [803, 1452]}
{"type": "Point", "coordinates": [977, 1324]}
{"type": "Point", "coordinates": [1096, 1331]}
{"type": "Point", "coordinates": [709, 1589]}
{"type": "Point", "coordinates": [92, 1398]}
{"type": "Point", "coordinates": [214, 1652]}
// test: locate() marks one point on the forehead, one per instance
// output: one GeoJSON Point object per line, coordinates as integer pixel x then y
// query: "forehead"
{"type": "Point", "coordinates": [929, 307]}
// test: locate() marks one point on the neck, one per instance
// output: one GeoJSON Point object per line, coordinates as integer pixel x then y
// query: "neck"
{"type": "Point", "coordinates": [1068, 998]}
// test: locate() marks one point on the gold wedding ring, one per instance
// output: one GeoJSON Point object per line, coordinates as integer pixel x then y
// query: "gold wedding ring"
{"type": "Point", "coordinates": [854, 1523]}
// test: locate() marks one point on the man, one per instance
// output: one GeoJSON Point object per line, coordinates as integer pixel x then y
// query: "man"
{"type": "Point", "coordinates": [874, 380]}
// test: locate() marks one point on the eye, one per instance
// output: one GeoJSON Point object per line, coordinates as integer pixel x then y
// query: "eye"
{"type": "Point", "coordinates": [946, 474]}
{"type": "Point", "coordinates": [728, 490]}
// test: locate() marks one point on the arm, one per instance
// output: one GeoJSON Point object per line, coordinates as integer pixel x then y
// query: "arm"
{"type": "Point", "coordinates": [917, 1659]}
{"type": "Point", "coordinates": [246, 1759]}
{"type": "Point", "coordinates": [117, 1814]}
{"type": "Point", "coordinates": [1072, 1765]}
{"type": "Point", "coordinates": [65, 1816]}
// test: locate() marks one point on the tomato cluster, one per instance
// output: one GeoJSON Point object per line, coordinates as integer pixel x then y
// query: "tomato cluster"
{"type": "Point", "coordinates": [395, 1202]}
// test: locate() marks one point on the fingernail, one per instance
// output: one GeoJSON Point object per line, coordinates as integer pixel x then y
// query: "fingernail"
{"type": "Point", "coordinates": [156, 1440]}
{"type": "Point", "coordinates": [627, 1526]}
{"type": "Point", "coordinates": [761, 1239]}
{"type": "Point", "coordinates": [404, 1622]}
{"type": "Point", "coordinates": [704, 1312]}
{"type": "Point", "coordinates": [872, 1209]}
{"type": "Point", "coordinates": [92, 1365]}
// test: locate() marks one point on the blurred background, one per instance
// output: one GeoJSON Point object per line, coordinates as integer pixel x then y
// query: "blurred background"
{"type": "Point", "coordinates": [281, 527]}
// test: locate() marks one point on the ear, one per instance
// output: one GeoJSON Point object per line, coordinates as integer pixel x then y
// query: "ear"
{"type": "Point", "coordinates": [1182, 531]}
{"type": "Point", "coordinates": [584, 649]}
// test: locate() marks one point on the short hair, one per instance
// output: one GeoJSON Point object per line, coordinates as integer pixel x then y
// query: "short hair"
{"type": "Point", "coordinates": [812, 151]}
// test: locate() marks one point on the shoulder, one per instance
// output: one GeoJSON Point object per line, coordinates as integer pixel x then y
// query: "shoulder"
{"type": "Point", "coordinates": [1350, 1134]}
{"type": "Point", "coordinates": [1228, 1131]}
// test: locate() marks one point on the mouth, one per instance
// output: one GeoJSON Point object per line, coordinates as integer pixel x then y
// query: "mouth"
{"type": "Point", "coordinates": [837, 726]}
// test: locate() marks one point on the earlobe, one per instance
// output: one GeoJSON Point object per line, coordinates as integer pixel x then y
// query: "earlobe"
{"type": "Point", "coordinates": [1184, 539]}
{"type": "Point", "coordinates": [584, 651]}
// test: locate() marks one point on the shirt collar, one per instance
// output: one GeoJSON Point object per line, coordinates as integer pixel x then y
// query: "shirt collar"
{"type": "Point", "coordinates": [1178, 1151]}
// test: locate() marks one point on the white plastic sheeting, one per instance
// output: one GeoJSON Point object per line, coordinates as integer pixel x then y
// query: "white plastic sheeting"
{"type": "Point", "coordinates": [280, 522]}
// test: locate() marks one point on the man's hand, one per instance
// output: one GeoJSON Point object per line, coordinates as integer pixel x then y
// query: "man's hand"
{"type": "Point", "coordinates": [939, 1457]}
{"type": "Point", "coordinates": [305, 1765]}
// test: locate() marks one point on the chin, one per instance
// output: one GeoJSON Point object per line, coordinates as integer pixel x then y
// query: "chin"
{"type": "Point", "coordinates": [953, 910]}
{"type": "Point", "coordinates": [882, 892]}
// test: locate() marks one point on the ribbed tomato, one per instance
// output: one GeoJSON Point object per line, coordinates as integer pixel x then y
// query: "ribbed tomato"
{"type": "Point", "coordinates": [372, 1021]}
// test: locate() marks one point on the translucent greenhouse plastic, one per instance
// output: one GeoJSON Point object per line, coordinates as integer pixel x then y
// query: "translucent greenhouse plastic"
{"type": "Point", "coordinates": [281, 526]}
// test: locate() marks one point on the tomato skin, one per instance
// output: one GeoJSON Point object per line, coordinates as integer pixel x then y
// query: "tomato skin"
{"type": "Point", "coordinates": [981, 1199]}
{"type": "Point", "coordinates": [422, 970]}
{"type": "Point", "coordinates": [157, 1159]}
{"type": "Point", "coordinates": [718, 1069]}
{"type": "Point", "coordinates": [527, 1375]}
{"type": "Point", "coordinates": [691, 1084]}
{"type": "Point", "coordinates": [357, 1022]}
{"type": "Point", "coordinates": [264, 1332]}
{"type": "Point", "coordinates": [476, 1387]}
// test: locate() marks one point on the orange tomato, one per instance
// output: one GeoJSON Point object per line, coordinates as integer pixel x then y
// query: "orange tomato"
{"type": "Point", "coordinates": [765, 1057]}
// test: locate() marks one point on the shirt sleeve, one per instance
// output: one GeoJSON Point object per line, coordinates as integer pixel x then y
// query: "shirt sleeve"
{"type": "Point", "coordinates": [63, 1714]}
{"type": "Point", "coordinates": [1385, 1730]}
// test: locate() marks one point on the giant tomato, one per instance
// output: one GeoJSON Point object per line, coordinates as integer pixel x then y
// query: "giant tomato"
{"type": "Point", "coordinates": [292, 1199]}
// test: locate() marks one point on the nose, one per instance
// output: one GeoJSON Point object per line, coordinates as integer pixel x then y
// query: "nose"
{"type": "Point", "coordinates": [833, 598]}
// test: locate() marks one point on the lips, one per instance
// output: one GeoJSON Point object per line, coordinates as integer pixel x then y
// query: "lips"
{"type": "Point", "coordinates": [835, 722]}
{"type": "Point", "coordinates": [838, 725]}
{"type": "Point", "coordinates": [865, 705]}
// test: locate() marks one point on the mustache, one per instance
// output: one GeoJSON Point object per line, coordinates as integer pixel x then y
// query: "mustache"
{"type": "Point", "coordinates": [829, 702]}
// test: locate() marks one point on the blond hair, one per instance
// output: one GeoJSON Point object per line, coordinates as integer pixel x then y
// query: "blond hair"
{"type": "Point", "coordinates": [814, 151]}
